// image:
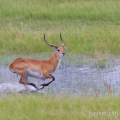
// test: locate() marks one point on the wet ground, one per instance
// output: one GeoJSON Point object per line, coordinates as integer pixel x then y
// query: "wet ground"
{"type": "Point", "coordinates": [70, 80]}
{"type": "Point", "coordinates": [73, 77]}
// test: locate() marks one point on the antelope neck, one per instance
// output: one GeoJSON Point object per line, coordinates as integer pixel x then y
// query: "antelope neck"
{"type": "Point", "coordinates": [54, 60]}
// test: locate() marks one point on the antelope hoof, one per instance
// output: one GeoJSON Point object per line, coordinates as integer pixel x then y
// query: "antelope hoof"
{"type": "Point", "coordinates": [32, 84]}
{"type": "Point", "coordinates": [44, 85]}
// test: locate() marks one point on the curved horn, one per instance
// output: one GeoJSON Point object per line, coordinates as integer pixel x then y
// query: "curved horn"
{"type": "Point", "coordinates": [49, 44]}
{"type": "Point", "coordinates": [61, 39]}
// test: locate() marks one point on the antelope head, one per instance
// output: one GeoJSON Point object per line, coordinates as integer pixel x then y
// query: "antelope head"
{"type": "Point", "coordinates": [59, 50]}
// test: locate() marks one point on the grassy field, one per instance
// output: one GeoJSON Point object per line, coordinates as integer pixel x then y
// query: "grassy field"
{"type": "Point", "coordinates": [40, 107]}
{"type": "Point", "coordinates": [86, 25]}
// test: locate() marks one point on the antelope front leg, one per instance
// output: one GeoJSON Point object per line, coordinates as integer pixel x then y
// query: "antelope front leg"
{"type": "Point", "coordinates": [48, 76]}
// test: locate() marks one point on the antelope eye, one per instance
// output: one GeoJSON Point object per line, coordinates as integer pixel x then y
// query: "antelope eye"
{"type": "Point", "coordinates": [58, 50]}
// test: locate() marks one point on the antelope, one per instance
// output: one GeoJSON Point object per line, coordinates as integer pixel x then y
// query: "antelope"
{"type": "Point", "coordinates": [39, 69]}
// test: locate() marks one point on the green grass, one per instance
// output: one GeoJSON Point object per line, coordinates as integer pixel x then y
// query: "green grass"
{"type": "Point", "coordinates": [86, 25]}
{"type": "Point", "coordinates": [36, 106]}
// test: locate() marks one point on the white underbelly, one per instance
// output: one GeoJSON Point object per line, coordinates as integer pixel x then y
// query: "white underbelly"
{"type": "Point", "coordinates": [35, 75]}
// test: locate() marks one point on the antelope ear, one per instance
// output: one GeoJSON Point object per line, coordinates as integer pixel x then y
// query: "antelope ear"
{"type": "Point", "coordinates": [65, 48]}
{"type": "Point", "coordinates": [54, 49]}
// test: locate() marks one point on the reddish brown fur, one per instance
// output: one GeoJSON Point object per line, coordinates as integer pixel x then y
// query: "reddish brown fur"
{"type": "Point", "coordinates": [44, 67]}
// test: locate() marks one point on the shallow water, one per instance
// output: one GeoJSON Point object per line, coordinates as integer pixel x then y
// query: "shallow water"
{"type": "Point", "coordinates": [71, 78]}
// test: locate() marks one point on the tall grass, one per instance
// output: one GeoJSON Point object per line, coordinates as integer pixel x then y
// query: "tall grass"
{"type": "Point", "coordinates": [61, 9]}
{"type": "Point", "coordinates": [86, 26]}
{"type": "Point", "coordinates": [36, 106]}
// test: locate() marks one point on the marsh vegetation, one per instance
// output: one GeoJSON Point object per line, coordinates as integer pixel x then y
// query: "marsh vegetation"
{"type": "Point", "coordinates": [89, 28]}
{"type": "Point", "coordinates": [86, 26]}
